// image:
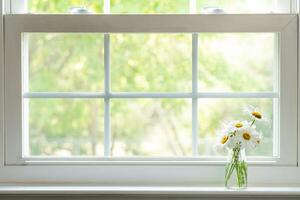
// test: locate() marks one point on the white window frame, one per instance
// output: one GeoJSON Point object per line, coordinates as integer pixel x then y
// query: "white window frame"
{"type": "Point", "coordinates": [120, 170]}
{"type": "Point", "coordinates": [16, 25]}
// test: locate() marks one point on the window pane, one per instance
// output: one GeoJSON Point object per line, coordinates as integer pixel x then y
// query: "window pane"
{"type": "Point", "coordinates": [213, 113]}
{"type": "Point", "coordinates": [64, 6]}
{"type": "Point", "coordinates": [61, 127]}
{"type": "Point", "coordinates": [146, 127]}
{"type": "Point", "coordinates": [62, 62]}
{"type": "Point", "coordinates": [158, 6]}
{"type": "Point", "coordinates": [237, 62]}
{"type": "Point", "coordinates": [244, 6]}
{"type": "Point", "coordinates": [149, 6]}
{"type": "Point", "coordinates": [151, 62]}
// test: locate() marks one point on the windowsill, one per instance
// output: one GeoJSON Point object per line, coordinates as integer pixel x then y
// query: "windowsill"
{"type": "Point", "coordinates": [147, 190]}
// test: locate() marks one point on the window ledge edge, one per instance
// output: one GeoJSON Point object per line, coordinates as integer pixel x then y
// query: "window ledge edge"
{"type": "Point", "coordinates": [148, 190]}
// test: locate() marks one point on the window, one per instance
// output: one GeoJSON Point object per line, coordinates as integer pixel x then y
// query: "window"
{"type": "Point", "coordinates": [135, 91]}
{"type": "Point", "coordinates": [73, 123]}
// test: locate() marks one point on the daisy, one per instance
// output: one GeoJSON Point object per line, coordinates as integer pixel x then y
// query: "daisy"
{"type": "Point", "coordinates": [226, 139]}
{"type": "Point", "coordinates": [254, 113]}
{"type": "Point", "coordinates": [248, 137]}
{"type": "Point", "coordinates": [236, 125]}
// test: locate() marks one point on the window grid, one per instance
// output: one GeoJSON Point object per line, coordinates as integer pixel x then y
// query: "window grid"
{"type": "Point", "coordinates": [194, 96]}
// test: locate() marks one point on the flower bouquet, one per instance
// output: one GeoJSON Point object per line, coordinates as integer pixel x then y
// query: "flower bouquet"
{"type": "Point", "coordinates": [236, 137]}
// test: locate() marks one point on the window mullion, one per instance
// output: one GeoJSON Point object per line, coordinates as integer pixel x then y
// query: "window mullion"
{"type": "Point", "coordinates": [193, 6]}
{"type": "Point", "coordinates": [195, 93]}
{"type": "Point", "coordinates": [107, 95]}
{"type": "Point", "coordinates": [25, 88]}
{"type": "Point", "coordinates": [276, 114]}
{"type": "Point", "coordinates": [106, 8]}
{"type": "Point", "coordinates": [175, 95]}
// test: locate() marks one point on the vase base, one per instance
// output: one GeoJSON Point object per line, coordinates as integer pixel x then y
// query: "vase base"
{"type": "Point", "coordinates": [236, 187]}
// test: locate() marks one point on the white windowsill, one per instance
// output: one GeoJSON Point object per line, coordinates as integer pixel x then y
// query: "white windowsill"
{"type": "Point", "coordinates": [147, 190]}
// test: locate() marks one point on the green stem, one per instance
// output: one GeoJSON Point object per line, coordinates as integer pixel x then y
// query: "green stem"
{"type": "Point", "coordinates": [240, 167]}
{"type": "Point", "coordinates": [252, 122]}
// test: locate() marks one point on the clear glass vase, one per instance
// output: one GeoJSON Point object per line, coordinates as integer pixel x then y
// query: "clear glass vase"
{"type": "Point", "coordinates": [236, 169]}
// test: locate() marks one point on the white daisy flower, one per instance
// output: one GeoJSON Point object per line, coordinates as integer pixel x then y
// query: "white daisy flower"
{"type": "Point", "coordinates": [254, 113]}
{"type": "Point", "coordinates": [226, 140]}
{"type": "Point", "coordinates": [235, 125]}
{"type": "Point", "coordinates": [248, 138]}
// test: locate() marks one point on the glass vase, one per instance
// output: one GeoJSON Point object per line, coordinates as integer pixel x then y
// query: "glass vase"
{"type": "Point", "coordinates": [236, 169]}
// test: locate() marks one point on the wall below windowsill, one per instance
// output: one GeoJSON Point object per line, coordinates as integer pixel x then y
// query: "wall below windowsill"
{"type": "Point", "coordinates": [147, 190]}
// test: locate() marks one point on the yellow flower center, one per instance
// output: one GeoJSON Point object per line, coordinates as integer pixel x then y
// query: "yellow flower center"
{"type": "Point", "coordinates": [246, 136]}
{"type": "Point", "coordinates": [257, 114]}
{"type": "Point", "coordinates": [224, 139]}
{"type": "Point", "coordinates": [239, 125]}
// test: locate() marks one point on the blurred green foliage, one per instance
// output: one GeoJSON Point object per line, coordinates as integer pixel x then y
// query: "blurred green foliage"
{"type": "Point", "coordinates": [238, 6]}
{"type": "Point", "coordinates": [150, 6]}
{"type": "Point", "coordinates": [66, 62]}
{"type": "Point", "coordinates": [63, 6]}
{"type": "Point", "coordinates": [60, 62]}
{"type": "Point", "coordinates": [151, 63]}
